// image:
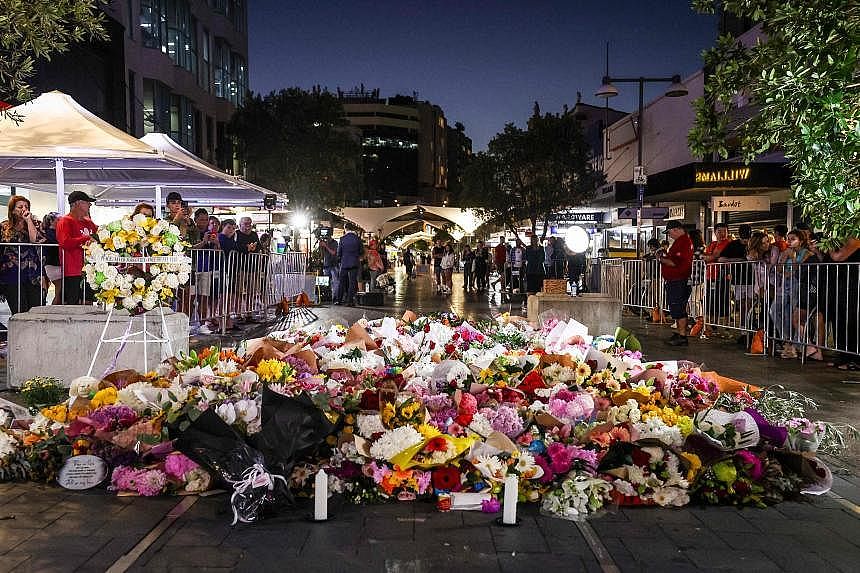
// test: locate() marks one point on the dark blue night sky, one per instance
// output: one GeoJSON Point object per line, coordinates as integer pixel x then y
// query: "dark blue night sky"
{"type": "Point", "coordinates": [484, 63]}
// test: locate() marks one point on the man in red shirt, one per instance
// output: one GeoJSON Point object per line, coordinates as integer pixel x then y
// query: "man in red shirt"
{"type": "Point", "coordinates": [73, 232]}
{"type": "Point", "coordinates": [677, 266]}
{"type": "Point", "coordinates": [500, 257]}
{"type": "Point", "coordinates": [779, 233]}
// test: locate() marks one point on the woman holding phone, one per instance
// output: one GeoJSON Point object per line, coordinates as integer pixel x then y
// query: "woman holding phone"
{"type": "Point", "coordinates": [21, 266]}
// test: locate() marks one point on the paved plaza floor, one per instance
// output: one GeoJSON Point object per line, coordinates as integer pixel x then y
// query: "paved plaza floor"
{"type": "Point", "coordinates": [45, 528]}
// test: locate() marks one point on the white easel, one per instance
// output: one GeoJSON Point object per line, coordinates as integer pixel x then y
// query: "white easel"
{"type": "Point", "coordinates": [143, 335]}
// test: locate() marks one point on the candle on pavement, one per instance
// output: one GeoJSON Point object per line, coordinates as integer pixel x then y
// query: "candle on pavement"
{"type": "Point", "coordinates": [321, 496]}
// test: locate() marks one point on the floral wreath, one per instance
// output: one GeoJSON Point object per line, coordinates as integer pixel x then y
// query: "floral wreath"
{"type": "Point", "coordinates": [134, 286]}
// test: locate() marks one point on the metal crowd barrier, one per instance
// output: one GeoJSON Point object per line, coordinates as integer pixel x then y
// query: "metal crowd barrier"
{"type": "Point", "coordinates": [207, 301]}
{"type": "Point", "coordinates": [254, 282]}
{"type": "Point", "coordinates": [816, 307]}
{"type": "Point", "coordinates": [736, 295]}
{"type": "Point", "coordinates": [813, 306]}
{"type": "Point", "coordinates": [238, 284]}
{"type": "Point", "coordinates": [26, 280]}
{"type": "Point", "coordinates": [286, 275]}
{"type": "Point", "coordinates": [245, 284]}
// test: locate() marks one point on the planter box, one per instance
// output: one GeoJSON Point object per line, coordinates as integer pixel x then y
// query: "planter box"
{"type": "Point", "coordinates": [599, 312]}
{"type": "Point", "coordinates": [60, 341]}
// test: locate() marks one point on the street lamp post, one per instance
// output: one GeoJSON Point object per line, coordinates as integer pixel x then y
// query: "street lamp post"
{"type": "Point", "coordinates": [607, 90]}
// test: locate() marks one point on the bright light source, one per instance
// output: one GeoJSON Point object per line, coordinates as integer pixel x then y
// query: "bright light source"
{"type": "Point", "coordinates": [576, 239]}
{"type": "Point", "coordinates": [300, 220]}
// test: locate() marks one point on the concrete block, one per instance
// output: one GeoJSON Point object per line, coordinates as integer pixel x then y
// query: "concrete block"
{"type": "Point", "coordinates": [60, 341]}
{"type": "Point", "coordinates": [599, 312]}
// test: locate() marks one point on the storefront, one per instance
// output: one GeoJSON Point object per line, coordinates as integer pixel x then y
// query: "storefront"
{"type": "Point", "coordinates": [700, 194]}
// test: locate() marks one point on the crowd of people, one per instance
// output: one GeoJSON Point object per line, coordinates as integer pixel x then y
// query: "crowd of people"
{"type": "Point", "coordinates": [518, 268]}
{"type": "Point", "coordinates": [780, 281]}
{"type": "Point", "coordinates": [39, 254]}
{"type": "Point", "coordinates": [348, 262]}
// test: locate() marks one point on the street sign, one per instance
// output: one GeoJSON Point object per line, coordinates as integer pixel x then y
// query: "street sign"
{"type": "Point", "coordinates": [627, 213]}
{"type": "Point", "coordinates": [639, 177]}
{"type": "Point", "coordinates": [655, 212]}
{"type": "Point", "coordinates": [647, 212]}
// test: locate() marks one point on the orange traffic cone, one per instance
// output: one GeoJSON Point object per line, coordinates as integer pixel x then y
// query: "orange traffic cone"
{"type": "Point", "coordinates": [757, 344]}
{"type": "Point", "coordinates": [697, 328]}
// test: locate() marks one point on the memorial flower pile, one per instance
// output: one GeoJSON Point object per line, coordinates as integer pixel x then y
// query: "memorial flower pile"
{"type": "Point", "coordinates": [429, 406]}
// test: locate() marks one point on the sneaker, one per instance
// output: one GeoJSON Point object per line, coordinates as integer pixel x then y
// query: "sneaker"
{"type": "Point", "coordinates": [678, 340]}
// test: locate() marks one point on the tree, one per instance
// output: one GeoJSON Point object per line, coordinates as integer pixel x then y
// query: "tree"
{"type": "Point", "coordinates": [531, 174]}
{"type": "Point", "coordinates": [804, 78]}
{"type": "Point", "coordinates": [31, 30]}
{"type": "Point", "coordinates": [298, 142]}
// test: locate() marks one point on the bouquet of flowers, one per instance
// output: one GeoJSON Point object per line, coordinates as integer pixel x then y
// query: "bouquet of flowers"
{"type": "Point", "coordinates": [727, 431]}
{"type": "Point", "coordinates": [13, 462]}
{"type": "Point", "coordinates": [136, 288]}
{"type": "Point", "coordinates": [42, 391]}
{"type": "Point", "coordinates": [804, 435]}
{"type": "Point", "coordinates": [646, 475]}
{"type": "Point", "coordinates": [578, 495]}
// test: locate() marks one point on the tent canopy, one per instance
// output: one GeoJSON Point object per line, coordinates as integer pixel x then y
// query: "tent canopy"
{"type": "Point", "coordinates": [59, 145]}
{"type": "Point", "coordinates": [381, 219]}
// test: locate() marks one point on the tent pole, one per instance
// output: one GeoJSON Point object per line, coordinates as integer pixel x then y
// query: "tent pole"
{"type": "Point", "coordinates": [61, 187]}
{"type": "Point", "coordinates": [158, 202]}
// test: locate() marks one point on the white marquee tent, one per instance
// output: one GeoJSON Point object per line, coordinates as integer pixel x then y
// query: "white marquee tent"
{"type": "Point", "coordinates": [60, 145]}
{"type": "Point", "coordinates": [380, 219]}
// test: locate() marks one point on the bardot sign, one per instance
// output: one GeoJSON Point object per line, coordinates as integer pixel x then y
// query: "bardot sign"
{"type": "Point", "coordinates": [740, 203]}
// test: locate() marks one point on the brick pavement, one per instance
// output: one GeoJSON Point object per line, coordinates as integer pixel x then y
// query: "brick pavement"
{"type": "Point", "coordinates": [58, 530]}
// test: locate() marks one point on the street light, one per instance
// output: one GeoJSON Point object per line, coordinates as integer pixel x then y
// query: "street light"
{"type": "Point", "coordinates": [607, 90]}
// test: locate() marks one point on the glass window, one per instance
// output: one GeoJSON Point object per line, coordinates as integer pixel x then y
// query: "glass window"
{"type": "Point", "coordinates": [152, 16]}
{"type": "Point", "coordinates": [183, 122]}
{"type": "Point", "coordinates": [221, 57]}
{"type": "Point", "coordinates": [156, 106]}
{"type": "Point", "coordinates": [205, 68]}
{"type": "Point", "coordinates": [168, 25]}
{"type": "Point", "coordinates": [239, 79]}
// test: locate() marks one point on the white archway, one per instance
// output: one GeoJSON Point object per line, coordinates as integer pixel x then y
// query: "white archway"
{"type": "Point", "coordinates": [380, 220]}
{"type": "Point", "coordinates": [408, 240]}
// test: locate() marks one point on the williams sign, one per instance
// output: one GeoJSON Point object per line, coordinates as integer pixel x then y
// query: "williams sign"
{"type": "Point", "coordinates": [716, 176]}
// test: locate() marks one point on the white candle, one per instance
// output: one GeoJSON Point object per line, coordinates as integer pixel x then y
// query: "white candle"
{"type": "Point", "coordinates": [509, 509]}
{"type": "Point", "coordinates": [321, 497]}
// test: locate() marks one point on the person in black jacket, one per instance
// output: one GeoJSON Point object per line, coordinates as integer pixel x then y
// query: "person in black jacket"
{"type": "Point", "coordinates": [53, 268]}
{"type": "Point", "coordinates": [534, 266]}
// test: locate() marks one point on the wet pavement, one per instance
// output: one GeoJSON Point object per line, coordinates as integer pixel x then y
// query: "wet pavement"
{"type": "Point", "coordinates": [45, 528]}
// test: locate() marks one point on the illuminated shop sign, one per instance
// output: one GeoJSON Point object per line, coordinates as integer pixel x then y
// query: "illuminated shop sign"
{"type": "Point", "coordinates": [723, 175]}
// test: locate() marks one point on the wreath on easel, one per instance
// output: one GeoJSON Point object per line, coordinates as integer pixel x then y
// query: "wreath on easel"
{"type": "Point", "coordinates": [137, 263]}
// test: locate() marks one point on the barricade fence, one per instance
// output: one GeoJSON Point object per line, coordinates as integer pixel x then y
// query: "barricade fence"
{"type": "Point", "coordinates": [206, 292]}
{"type": "Point", "coordinates": [804, 308]}
{"type": "Point", "coordinates": [221, 285]}
{"type": "Point", "coordinates": [286, 275]}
